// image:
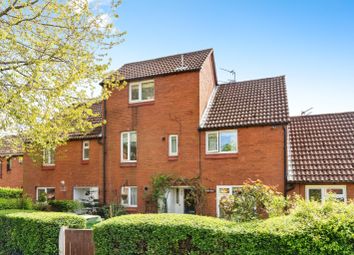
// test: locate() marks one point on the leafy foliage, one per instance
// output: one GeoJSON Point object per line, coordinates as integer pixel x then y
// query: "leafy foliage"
{"type": "Point", "coordinates": [254, 200]}
{"type": "Point", "coordinates": [6, 192]}
{"type": "Point", "coordinates": [309, 229]}
{"type": "Point", "coordinates": [52, 55]}
{"type": "Point", "coordinates": [64, 205]}
{"type": "Point", "coordinates": [29, 232]}
{"type": "Point", "coordinates": [112, 210]}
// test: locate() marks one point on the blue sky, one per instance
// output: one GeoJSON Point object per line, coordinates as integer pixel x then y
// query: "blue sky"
{"type": "Point", "coordinates": [311, 42]}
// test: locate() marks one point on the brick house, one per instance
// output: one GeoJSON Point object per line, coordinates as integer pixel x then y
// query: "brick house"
{"type": "Point", "coordinates": [72, 171]}
{"type": "Point", "coordinates": [174, 118]}
{"type": "Point", "coordinates": [321, 156]}
{"type": "Point", "coordinates": [11, 165]}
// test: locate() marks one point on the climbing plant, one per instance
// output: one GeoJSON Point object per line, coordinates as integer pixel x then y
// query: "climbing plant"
{"type": "Point", "coordinates": [161, 183]}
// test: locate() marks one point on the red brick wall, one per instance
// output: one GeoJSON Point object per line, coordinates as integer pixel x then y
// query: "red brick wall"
{"type": "Point", "coordinates": [300, 188]}
{"type": "Point", "coordinates": [260, 156]}
{"type": "Point", "coordinates": [174, 111]}
{"type": "Point", "coordinates": [13, 178]}
{"type": "Point", "coordinates": [207, 82]}
{"type": "Point", "coordinates": [69, 168]}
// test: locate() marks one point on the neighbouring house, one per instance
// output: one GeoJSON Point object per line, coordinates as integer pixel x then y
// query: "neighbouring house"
{"type": "Point", "coordinates": [321, 156]}
{"type": "Point", "coordinates": [11, 164]}
{"type": "Point", "coordinates": [72, 171]}
{"type": "Point", "coordinates": [174, 118]}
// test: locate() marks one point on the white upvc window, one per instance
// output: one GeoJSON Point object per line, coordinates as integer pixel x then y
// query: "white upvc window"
{"type": "Point", "coordinates": [85, 150]}
{"type": "Point", "coordinates": [321, 192]}
{"type": "Point", "coordinates": [143, 91]}
{"type": "Point", "coordinates": [128, 146]}
{"type": "Point", "coordinates": [223, 192]}
{"type": "Point", "coordinates": [224, 141]}
{"type": "Point", "coordinates": [173, 145]}
{"type": "Point", "coordinates": [49, 157]}
{"type": "Point", "coordinates": [129, 196]}
{"type": "Point", "coordinates": [48, 193]}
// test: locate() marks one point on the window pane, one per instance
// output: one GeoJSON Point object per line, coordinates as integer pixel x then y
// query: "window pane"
{"type": "Point", "coordinates": [147, 91]}
{"type": "Point", "coordinates": [335, 191]}
{"type": "Point", "coordinates": [86, 153]}
{"type": "Point", "coordinates": [134, 92]}
{"type": "Point", "coordinates": [124, 195]}
{"type": "Point", "coordinates": [125, 146]}
{"type": "Point", "coordinates": [212, 142]}
{"type": "Point", "coordinates": [228, 141]}
{"type": "Point", "coordinates": [133, 196]}
{"type": "Point", "coordinates": [236, 190]}
{"type": "Point", "coordinates": [133, 146]}
{"type": "Point", "coordinates": [224, 190]}
{"type": "Point", "coordinates": [173, 141]}
{"type": "Point", "coordinates": [315, 195]}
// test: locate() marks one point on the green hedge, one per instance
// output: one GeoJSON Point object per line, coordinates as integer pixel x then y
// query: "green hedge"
{"type": "Point", "coordinates": [317, 232]}
{"type": "Point", "coordinates": [64, 205]}
{"type": "Point", "coordinates": [6, 192]}
{"type": "Point", "coordinates": [29, 232]}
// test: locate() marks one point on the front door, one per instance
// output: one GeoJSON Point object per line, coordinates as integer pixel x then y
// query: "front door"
{"type": "Point", "coordinates": [179, 201]}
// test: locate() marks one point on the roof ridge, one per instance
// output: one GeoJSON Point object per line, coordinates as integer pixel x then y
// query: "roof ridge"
{"type": "Point", "coordinates": [168, 56]}
{"type": "Point", "coordinates": [321, 114]}
{"type": "Point", "coordinates": [253, 80]}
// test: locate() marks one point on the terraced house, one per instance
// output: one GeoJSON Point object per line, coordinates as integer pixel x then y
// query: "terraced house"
{"type": "Point", "coordinates": [174, 118]}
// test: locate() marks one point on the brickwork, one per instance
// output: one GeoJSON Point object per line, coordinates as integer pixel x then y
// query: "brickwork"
{"type": "Point", "coordinates": [14, 177]}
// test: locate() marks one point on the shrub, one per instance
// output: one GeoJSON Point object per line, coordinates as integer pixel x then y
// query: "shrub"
{"type": "Point", "coordinates": [64, 205]}
{"type": "Point", "coordinates": [327, 230]}
{"type": "Point", "coordinates": [6, 192]}
{"type": "Point", "coordinates": [15, 203]}
{"type": "Point", "coordinates": [28, 232]}
{"type": "Point", "coordinates": [253, 200]}
{"type": "Point", "coordinates": [112, 210]}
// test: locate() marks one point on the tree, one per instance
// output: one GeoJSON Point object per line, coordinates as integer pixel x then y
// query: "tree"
{"type": "Point", "coordinates": [52, 56]}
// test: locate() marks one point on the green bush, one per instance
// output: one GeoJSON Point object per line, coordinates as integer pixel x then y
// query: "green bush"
{"type": "Point", "coordinates": [28, 232]}
{"type": "Point", "coordinates": [112, 210]}
{"type": "Point", "coordinates": [6, 192]}
{"type": "Point", "coordinates": [328, 229]}
{"type": "Point", "coordinates": [64, 205]}
{"type": "Point", "coordinates": [15, 203]}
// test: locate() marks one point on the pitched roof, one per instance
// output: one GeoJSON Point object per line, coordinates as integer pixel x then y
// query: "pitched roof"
{"type": "Point", "coordinates": [248, 103]}
{"type": "Point", "coordinates": [321, 148]}
{"type": "Point", "coordinates": [95, 133]}
{"type": "Point", "coordinates": [10, 148]}
{"type": "Point", "coordinates": [184, 62]}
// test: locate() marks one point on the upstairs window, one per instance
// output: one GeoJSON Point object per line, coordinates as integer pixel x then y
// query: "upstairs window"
{"type": "Point", "coordinates": [173, 145]}
{"type": "Point", "coordinates": [128, 146]}
{"type": "Point", "coordinates": [141, 91]}
{"type": "Point", "coordinates": [86, 150]}
{"type": "Point", "coordinates": [49, 157]}
{"type": "Point", "coordinates": [129, 196]}
{"type": "Point", "coordinates": [9, 164]}
{"type": "Point", "coordinates": [221, 142]}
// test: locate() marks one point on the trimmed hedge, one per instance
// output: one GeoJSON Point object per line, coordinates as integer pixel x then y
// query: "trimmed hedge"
{"type": "Point", "coordinates": [29, 232]}
{"type": "Point", "coordinates": [316, 232]}
{"type": "Point", "coordinates": [6, 192]}
{"type": "Point", "coordinates": [65, 205]}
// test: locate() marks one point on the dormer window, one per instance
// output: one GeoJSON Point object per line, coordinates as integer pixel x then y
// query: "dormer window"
{"type": "Point", "coordinates": [143, 91]}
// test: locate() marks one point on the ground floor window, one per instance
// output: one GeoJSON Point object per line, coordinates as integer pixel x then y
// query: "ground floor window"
{"type": "Point", "coordinates": [321, 192]}
{"type": "Point", "coordinates": [129, 196]}
{"type": "Point", "coordinates": [44, 194]}
{"type": "Point", "coordinates": [222, 192]}
{"type": "Point", "coordinates": [86, 195]}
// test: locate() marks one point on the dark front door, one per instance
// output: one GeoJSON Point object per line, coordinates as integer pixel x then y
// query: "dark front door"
{"type": "Point", "coordinates": [189, 205]}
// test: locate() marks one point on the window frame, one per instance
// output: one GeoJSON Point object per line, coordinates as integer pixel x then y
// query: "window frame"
{"type": "Point", "coordinates": [170, 152]}
{"type": "Point", "coordinates": [129, 204]}
{"type": "Point", "coordinates": [46, 191]}
{"type": "Point", "coordinates": [218, 132]}
{"type": "Point", "coordinates": [129, 150]}
{"type": "Point", "coordinates": [324, 193]}
{"type": "Point", "coordinates": [217, 195]}
{"type": "Point", "coordinates": [52, 153]}
{"type": "Point", "coordinates": [9, 164]}
{"type": "Point", "coordinates": [85, 146]}
{"type": "Point", "coordinates": [140, 92]}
